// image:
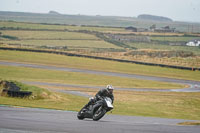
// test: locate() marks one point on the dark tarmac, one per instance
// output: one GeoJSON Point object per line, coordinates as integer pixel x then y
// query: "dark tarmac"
{"type": "Point", "coordinates": [33, 120]}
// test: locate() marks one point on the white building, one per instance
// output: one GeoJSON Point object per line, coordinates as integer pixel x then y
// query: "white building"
{"type": "Point", "coordinates": [195, 42]}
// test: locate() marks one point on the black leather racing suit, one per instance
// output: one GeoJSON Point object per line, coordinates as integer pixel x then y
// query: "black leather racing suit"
{"type": "Point", "coordinates": [102, 93]}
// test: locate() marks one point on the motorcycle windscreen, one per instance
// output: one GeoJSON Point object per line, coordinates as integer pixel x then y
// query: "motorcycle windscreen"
{"type": "Point", "coordinates": [109, 104]}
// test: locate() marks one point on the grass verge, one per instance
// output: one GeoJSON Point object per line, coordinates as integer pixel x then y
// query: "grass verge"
{"type": "Point", "coordinates": [42, 98]}
{"type": "Point", "coordinates": [158, 104]}
{"type": "Point", "coordinates": [196, 123]}
{"type": "Point", "coordinates": [53, 76]}
{"type": "Point", "coordinates": [153, 104]}
{"type": "Point", "coordinates": [92, 64]}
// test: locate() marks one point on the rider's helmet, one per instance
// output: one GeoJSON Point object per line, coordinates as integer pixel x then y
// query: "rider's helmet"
{"type": "Point", "coordinates": [110, 88]}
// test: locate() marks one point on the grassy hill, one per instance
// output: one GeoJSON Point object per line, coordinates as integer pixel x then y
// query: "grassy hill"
{"type": "Point", "coordinates": [111, 42]}
{"type": "Point", "coordinates": [111, 21]}
{"type": "Point", "coordinates": [154, 18]}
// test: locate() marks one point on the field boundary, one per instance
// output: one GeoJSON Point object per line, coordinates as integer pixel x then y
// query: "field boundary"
{"type": "Point", "coordinates": [102, 58]}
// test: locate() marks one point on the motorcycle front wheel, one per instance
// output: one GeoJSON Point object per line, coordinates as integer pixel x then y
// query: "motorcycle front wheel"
{"type": "Point", "coordinates": [99, 113]}
{"type": "Point", "coordinates": [80, 114]}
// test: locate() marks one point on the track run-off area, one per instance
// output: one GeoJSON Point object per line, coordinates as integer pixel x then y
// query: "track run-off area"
{"type": "Point", "coordinates": [34, 120]}
{"type": "Point", "coordinates": [194, 86]}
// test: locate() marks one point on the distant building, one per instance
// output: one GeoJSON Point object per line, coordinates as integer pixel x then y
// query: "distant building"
{"type": "Point", "coordinates": [131, 28]}
{"type": "Point", "coordinates": [195, 42]}
{"type": "Point", "coordinates": [129, 38]}
{"type": "Point", "coordinates": [162, 29]}
{"type": "Point", "coordinates": [168, 29]}
{"type": "Point", "coordinates": [142, 30]}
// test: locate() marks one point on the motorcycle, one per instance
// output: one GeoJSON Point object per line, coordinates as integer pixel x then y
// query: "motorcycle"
{"type": "Point", "coordinates": [97, 110]}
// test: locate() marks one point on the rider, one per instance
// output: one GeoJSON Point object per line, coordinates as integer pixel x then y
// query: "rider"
{"type": "Point", "coordinates": [106, 92]}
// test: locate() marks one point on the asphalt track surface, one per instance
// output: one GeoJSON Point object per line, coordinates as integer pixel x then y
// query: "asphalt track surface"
{"type": "Point", "coordinates": [32, 120]}
{"type": "Point", "coordinates": [194, 86]}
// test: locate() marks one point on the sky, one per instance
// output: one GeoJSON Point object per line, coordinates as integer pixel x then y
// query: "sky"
{"type": "Point", "coordinates": [178, 10]}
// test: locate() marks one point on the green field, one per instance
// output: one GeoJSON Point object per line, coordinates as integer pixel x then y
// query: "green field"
{"type": "Point", "coordinates": [32, 26]}
{"type": "Point", "coordinates": [94, 40]}
{"type": "Point", "coordinates": [168, 105]}
{"type": "Point", "coordinates": [71, 40]}
{"type": "Point", "coordinates": [62, 35]}
{"type": "Point", "coordinates": [42, 98]}
{"type": "Point", "coordinates": [155, 46]}
{"type": "Point", "coordinates": [92, 64]}
{"type": "Point", "coordinates": [53, 76]}
{"type": "Point", "coordinates": [71, 44]}
{"type": "Point", "coordinates": [39, 36]}
{"type": "Point", "coordinates": [173, 39]}
{"type": "Point", "coordinates": [155, 104]}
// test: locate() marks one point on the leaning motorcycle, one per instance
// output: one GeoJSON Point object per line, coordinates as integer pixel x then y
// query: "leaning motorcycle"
{"type": "Point", "coordinates": [97, 110]}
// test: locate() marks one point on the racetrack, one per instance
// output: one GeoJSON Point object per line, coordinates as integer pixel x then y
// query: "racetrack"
{"type": "Point", "coordinates": [33, 120]}
{"type": "Point", "coordinates": [194, 86]}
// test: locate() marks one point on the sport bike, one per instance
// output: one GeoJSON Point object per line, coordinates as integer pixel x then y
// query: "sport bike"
{"type": "Point", "coordinates": [96, 110]}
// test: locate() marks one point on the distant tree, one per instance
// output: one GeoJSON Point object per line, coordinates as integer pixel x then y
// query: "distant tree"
{"type": "Point", "coordinates": [54, 12]}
